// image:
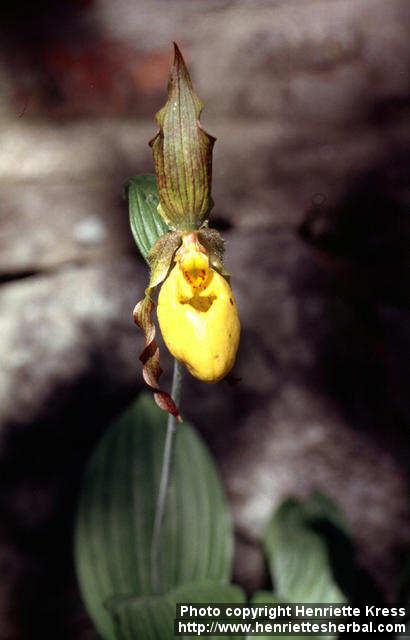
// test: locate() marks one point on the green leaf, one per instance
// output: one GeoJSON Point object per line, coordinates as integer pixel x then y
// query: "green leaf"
{"type": "Point", "coordinates": [266, 597]}
{"type": "Point", "coordinates": [117, 507]}
{"type": "Point", "coordinates": [146, 223]}
{"type": "Point", "coordinates": [208, 591]}
{"type": "Point", "coordinates": [148, 618]}
{"type": "Point", "coordinates": [298, 554]}
{"type": "Point", "coordinates": [153, 617]}
{"type": "Point", "coordinates": [311, 557]}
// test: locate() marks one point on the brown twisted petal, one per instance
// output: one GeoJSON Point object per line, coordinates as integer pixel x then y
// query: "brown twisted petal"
{"type": "Point", "coordinates": [160, 259]}
{"type": "Point", "coordinates": [149, 357]}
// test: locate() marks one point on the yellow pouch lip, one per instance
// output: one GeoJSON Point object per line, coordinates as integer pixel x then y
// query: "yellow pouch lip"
{"type": "Point", "coordinates": [200, 326]}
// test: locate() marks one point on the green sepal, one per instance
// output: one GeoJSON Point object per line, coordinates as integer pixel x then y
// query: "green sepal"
{"type": "Point", "coordinates": [182, 153]}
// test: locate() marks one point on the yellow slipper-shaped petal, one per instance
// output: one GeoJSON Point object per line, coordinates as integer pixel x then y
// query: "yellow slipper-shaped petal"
{"type": "Point", "coordinates": [198, 318]}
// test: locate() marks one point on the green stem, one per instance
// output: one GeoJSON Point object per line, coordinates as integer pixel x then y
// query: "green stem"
{"type": "Point", "coordinates": [164, 481]}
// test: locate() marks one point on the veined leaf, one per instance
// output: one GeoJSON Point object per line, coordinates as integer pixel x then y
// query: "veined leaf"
{"type": "Point", "coordinates": [153, 617]}
{"type": "Point", "coordinates": [117, 508]}
{"type": "Point", "coordinates": [266, 597]}
{"type": "Point", "coordinates": [146, 223]}
{"type": "Point", "coordinates": [298, 555]}
{"type": "Point", "coordinates": [311, 557]}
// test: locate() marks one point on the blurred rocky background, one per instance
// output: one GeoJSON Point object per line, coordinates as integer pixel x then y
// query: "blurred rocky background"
{"type": "Point", "coordinates": [309, 100]}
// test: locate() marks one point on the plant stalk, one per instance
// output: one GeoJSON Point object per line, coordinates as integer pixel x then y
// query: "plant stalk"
{"type": "Point", "coordinates": [166, 471]}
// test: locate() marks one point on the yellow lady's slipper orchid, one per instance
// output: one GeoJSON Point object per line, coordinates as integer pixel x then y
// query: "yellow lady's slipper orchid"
{"type": "Point", "coordinates": [196, 309]}
{"type": "Point", "coordinates": [197, 314]}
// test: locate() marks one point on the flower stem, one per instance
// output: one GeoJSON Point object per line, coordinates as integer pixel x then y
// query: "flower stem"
{"type": "Point", "coordinates": [164, 481]}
